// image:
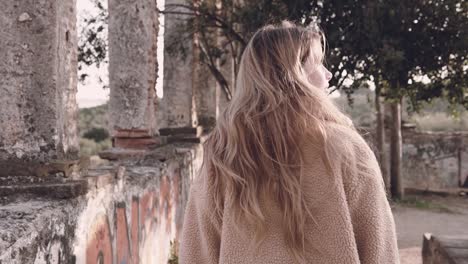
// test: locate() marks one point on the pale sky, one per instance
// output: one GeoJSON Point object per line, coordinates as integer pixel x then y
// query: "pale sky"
{"type": "Point", "coordinates": [91, 93]}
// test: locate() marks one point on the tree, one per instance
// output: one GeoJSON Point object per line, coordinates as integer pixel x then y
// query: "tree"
{"type": "Point", "coordinates": [97, 134]}
{"type": "Point", "coordinates": [224, 28]}
{"type": "Point", "coordinates": [403, 41]}
{"type": "Point", "coordinates": [421, 38]}
{"type": "Point", "coordinates": [399, 42]}
{"type": "Point", "coordinates": [391, 43]}
{"type": "Point", "coordinates": [92, 42]}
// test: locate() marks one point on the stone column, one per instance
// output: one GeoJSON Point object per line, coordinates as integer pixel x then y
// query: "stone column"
{"type": "Point", "coordinates": [178, 63]}
{"type": "Point", "coordinates": [38, 82]}
{"type": "Point", "coordinates": [226, 69]}
{"type": "Point", "coordinates": [189, 90]}
{"type": "Point", "coordinates": [221, 98]}
{"type": "Point", "coordinates": [133, 29]}
{"type": "Point", "coordinates": [204, 91]}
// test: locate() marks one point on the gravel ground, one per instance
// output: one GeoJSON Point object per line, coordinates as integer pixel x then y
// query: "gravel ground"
{"type": "Point", "coordinates": [444, 216]}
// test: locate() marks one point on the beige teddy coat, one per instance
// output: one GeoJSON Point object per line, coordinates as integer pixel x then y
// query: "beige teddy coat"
{"type": "Point", "coordinates": [353, 221]}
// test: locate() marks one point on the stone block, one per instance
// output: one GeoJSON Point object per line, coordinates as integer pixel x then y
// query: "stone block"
{"type": "Point", "coordinates": [444, 250]}
{"type": "Point", "coordinates": [182, 138]}
{"type": "Point", "coordinates": [132, 133]}
{"type": "Point", "coordinates": [98, 178]}
{"type": "Point", "coordinates": [118, 154]}
{"type": "Point", "coordinates": [196, 131]}
{"type": "Point", "coordinates": [136, 143]}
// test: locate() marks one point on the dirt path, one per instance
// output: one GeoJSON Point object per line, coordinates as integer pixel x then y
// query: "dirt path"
{"type": "Point", "coordinates": [412, 223]}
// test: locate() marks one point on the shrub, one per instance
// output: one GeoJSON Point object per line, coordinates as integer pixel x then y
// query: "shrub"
{"type": "Point", "coordinates": [97, 134]}
{"type": "Point", "coordinates": [89, 147]}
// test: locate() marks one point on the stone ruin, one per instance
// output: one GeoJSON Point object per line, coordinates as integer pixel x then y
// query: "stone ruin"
{"type": "Point", "coordinates": [54, 206]}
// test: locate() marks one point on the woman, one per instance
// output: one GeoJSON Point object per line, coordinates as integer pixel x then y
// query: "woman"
{"type": "Point", "coordinates": [286, 178]}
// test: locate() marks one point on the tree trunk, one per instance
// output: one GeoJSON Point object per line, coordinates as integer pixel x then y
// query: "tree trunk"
{"type": "Point", "coordinates": [460, 168]}
{"type": "Point", "coordinates": [223, 89]}
{"type": "Point", "coordinates": [396, 152]}
{"type": "Point", "coordinates": [380, 136]}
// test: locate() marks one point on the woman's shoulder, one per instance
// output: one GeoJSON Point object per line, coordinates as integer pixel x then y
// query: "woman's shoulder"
{"type": "Point", "coordinates": [341, 136]}
{"type": "Point", "coordinates": [339, 141]}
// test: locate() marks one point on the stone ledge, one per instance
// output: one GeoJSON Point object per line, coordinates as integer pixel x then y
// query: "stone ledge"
{"type": "Point", "coordinates": [120, 153]}
{"type": "Point", "coordinates": [145, 198]}
{"type": "Point", "coordinates": [53, 190]}
{"type": "Point", "coordinates": [183, 138]}
{"type": "Point", "coordinates": [170, 131]}
{"type": "Point", "coordinates": [438, 192]}
{"type": "Point", "coordinates": [445, 249]}
{"type": "Point", "coordinates": [20, 167]}
{"type": "Point", "coordinates": [136, 143]}
{"type": "Point", "coordinates": [98, 178]}
{"type": "Point", "coordinates": [132, 133]}
{"type": "Point", "coordinates": [160, 153]}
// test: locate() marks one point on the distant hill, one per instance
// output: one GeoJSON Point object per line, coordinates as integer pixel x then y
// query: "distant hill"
{"type": "Point", "coordinates": [93, 117]}
{"type": "Point", "coordinates": [436, 116]}
{"type": "Point", "coordinates": [93, 130]}
{"type": "Point", "coordinates": [93, 121]}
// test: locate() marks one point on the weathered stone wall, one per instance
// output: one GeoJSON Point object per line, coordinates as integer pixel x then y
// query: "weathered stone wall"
{"type": "Point", "coordinates": [435, 160]}
{"type": "Point", "coordinates": [38, 80]}
{"type": "Point", "coordinates": [131, 212]}
{"type": "Point", "coordinates": [127, 211]}
{"type": "Point", "coordinates": [431, 160]}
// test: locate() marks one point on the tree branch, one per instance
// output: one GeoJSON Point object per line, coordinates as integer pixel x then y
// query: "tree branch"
{"type": "Point", "coordinates": [212, 66]}
{"type": "Point", "coordinates": [219, 21]}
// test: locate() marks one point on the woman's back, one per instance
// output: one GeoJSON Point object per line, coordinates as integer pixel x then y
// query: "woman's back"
{"type": "Point", "coordinates": [286, 178]}
{"type": "Point", "coordinates": [352, 220]}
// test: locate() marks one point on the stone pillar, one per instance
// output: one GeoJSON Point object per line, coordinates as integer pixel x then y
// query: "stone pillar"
{"type": "Point", "coordinates": [204, 91]}
{"type": "Point", "coordinates": [189, 90]}
{"type": "Point", "coordinates": [133, 29]}
{"type": "Point", "coordinates": [178, 74]}
{"type": "Point", "coordinates": [226, 69]}
{"type": "Point", "coordinates": [221, 97]}
{"type": "Point", "coordinates": [38, 69]}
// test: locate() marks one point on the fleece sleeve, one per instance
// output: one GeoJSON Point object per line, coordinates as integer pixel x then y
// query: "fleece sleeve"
{"type": "Point", "coordinates": [200, 238]}
{"type": "Point", "coordinates": [371, 216]}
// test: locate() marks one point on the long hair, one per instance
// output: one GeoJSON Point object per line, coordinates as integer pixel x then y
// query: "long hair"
{"type": "Point", "coordinates": [254, 150]}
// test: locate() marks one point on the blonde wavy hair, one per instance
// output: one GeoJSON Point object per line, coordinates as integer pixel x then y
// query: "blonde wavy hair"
{"type": "Point", "coordinates": [254, 150]}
